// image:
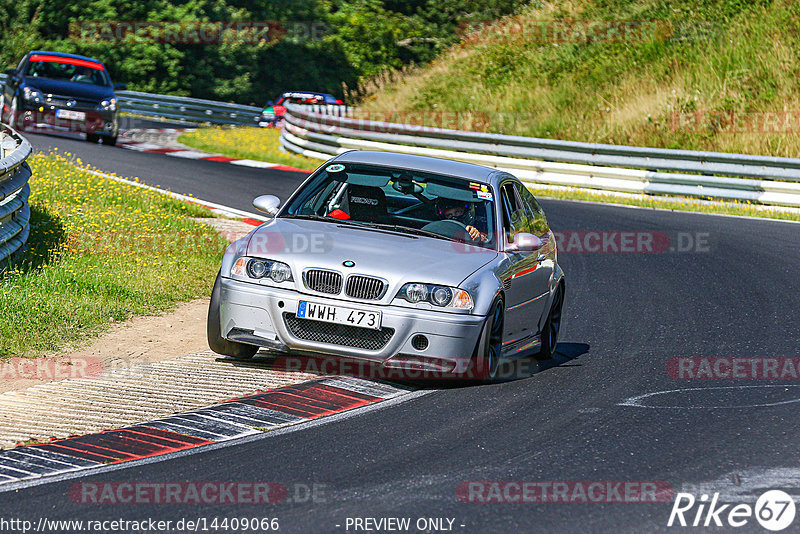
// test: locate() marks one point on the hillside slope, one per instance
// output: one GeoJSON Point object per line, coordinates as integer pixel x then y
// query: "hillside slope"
{"type": "Point", "coordinates": [701, 74]}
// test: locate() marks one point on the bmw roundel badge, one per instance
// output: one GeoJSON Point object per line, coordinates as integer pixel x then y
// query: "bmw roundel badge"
{"type": "Point", "coordinates": [349, 263]}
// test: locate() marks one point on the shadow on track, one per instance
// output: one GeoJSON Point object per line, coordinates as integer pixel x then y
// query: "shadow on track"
{"type": "Point", "coordinates": [330, 366]}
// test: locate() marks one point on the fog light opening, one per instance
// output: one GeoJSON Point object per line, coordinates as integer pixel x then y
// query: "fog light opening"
{"type": "Point", "coordinates": [419, 342]}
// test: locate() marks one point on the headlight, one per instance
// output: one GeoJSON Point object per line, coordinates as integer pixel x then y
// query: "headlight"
{"type": "Point", "coordinates": [415, 292]}
{"type": "Point", "coordinates": [109, 104]}
{"type": "Point", "coordinates": [440, 296]}
{"type": "Point", "coordinates": [32, 95]}
{"type": "Point", "coordinates": [280, 272]}
{"type": "Point", "coordinates": [257, 269]}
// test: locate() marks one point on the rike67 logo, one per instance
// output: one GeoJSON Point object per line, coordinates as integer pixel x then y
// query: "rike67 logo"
{"type": "Point", "coordinates": [774, 510]}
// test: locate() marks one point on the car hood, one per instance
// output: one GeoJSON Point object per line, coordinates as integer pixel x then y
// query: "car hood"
{"type": "Point", "coordinates": [66, 88]}
{"type": "Point", "coordinates": [398, 258]}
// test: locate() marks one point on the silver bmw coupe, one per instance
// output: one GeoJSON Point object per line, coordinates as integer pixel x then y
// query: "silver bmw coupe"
{"type": "Point", "coordinates": [407, 262]}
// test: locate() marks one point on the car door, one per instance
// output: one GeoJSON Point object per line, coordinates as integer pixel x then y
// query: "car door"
{"type": "Point", "coordinates": [525, 282]}
{"type": "Point", "coordinates": [546, 256]}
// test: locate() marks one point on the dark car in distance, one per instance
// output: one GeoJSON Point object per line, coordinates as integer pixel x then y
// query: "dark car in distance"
{"type": "Point", "coordinates": [61, 92]}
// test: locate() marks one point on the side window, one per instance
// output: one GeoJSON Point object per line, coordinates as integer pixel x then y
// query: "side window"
{"type": "Point", "coordinates": [514, 218]}
{"type": "Point", "coordinates": [538, 221]}
{"type": "Point", "coordinates": [315, 203]}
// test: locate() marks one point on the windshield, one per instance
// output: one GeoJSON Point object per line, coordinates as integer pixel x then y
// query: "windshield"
{"type": "Point", "coordinates": [78, 71]}
{"type": "Point", "coordinates": [400, 200]}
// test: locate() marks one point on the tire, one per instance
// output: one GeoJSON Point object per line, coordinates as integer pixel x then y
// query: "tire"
{"type": "Point", "coordinates": [552, 326]}
{"type": "Point", "coordinates": [109, 140]}
{"type": "Point", "coordinates": [92, 138]}
{"type": "Point", "coordinates": [216, 342]}
{"type": "Point", "coordinates": [14, 117]}
{"type": "Point", "coordinates": [486, 358]}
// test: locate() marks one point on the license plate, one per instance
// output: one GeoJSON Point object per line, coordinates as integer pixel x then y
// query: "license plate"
{"type": "Point", "coordinates": [339, 315]}
{"type": "Point", "coordinates": [69, 114]}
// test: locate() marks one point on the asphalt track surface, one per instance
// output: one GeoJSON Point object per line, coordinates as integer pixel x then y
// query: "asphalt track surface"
{"type": "Point", "coordinates": [627, 315]}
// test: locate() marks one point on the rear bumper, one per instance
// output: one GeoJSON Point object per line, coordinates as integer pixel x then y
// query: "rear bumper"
{"type": "Point", "coordinates": [261, 315]}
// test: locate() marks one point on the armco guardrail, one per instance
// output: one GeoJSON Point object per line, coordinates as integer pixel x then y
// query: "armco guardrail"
{"type": "Point", "coordinates": [616, 168]}
{"type": "Point", "coordinates": [187, 109]}
{"type": "Point", "coordinates": [15, 212]}
{"type": "Point", "coordinates": [198, 110]}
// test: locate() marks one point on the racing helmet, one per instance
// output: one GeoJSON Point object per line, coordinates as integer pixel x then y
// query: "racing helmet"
{"type": "Point", "coordinates": [459, 210]}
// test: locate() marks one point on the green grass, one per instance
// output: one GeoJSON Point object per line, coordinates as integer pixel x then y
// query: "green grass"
{"type": "Point", "coordinates": [99, 251]}
{"type": "Point", "coordinates": [705, 75]}
{"type": "Point", "coordinates": [246, 143]}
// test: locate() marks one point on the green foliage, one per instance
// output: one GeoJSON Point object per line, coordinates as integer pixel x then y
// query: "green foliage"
{"type": "Point", "coordinates": [361, 38]}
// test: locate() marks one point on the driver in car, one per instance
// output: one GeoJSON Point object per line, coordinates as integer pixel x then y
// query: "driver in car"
{"type": "Point", "coordinates": [463, 212]}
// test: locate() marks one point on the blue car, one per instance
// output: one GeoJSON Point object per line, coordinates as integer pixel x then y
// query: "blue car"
{"type": "Point", "coordinates": [61, 92]}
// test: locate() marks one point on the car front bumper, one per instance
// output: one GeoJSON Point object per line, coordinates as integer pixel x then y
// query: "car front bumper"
{"type": "Point", "coordinates": [33, 116]}
{"type": "Point", "coordinates": [261, 315]}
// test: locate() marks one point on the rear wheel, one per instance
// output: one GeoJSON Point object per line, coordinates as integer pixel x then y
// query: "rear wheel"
{"type": "Point", "coordinates": [216, 342]}
{"type": "Point", "coordinates": [92, 138]}
{"type": "Point", "coordinates": [486, 359]}
{"type": "Point", "coordinates": [552, 326]}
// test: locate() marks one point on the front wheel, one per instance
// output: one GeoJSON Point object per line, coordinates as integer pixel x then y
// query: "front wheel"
{"type": "Point", "coordinates": [109, 140]}
{"type": "Point", "coordinates": [220, 345]}
{"type": "Point", "coordinates": [14, 118]}
{"type": "Point", "coordinates": [552, 326]}
{"type": "Point", "coordinates": [486, 359]}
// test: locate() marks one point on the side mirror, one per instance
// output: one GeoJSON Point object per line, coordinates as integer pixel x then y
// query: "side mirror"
{"type": "Point", "coordinates": [11, 72]}
{"type": "Point", "coordinates": [267, 204]}
{"type": "Point", "coordinates": [270, 102]}
{"type": "Point", "coordinates": [524, 242]}
{"type": "Point", "coordinates": [120, 86]}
